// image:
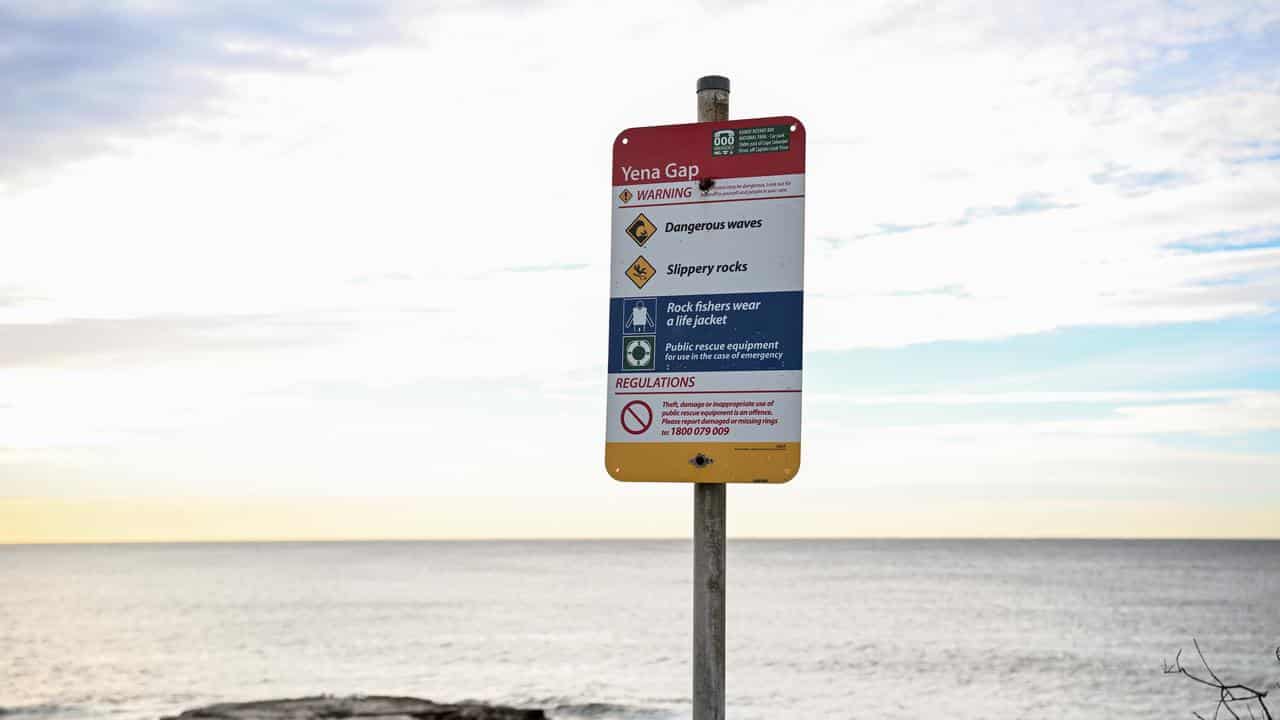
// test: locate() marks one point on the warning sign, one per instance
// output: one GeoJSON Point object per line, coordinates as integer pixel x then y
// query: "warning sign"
{"type": "Point", "coordinates": [641, 229]}
{"type": "Point", "coordinates": [640, 271]}
{"type": "Point", "coordinates": [706, 328]}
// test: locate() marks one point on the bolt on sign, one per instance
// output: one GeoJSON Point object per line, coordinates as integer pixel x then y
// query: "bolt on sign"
{"type": "Point", "coordinates": [705, 328]}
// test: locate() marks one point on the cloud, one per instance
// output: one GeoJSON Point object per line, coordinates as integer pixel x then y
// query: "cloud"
{"type": "Point", "coordinates": [10, 298]}
{"type": "Point", "coordinates": [1109, 414]}
{"type": "Point", "coordinates": [75, 75]}
{"type": "Point", "coordinates": [1136, 183]}
{"type": "Point", "coordinates": [136, 340]}
{"type": "Point", "coordinates": [1253, 238]}
{"type": "Point", "coordinates": [558, 267]}
{"type": "Point", "coordinates": [1026, 204]}
{"type": "Point", "coordinates": [1239, 53]}
{"type": "Point", "coordinates": [365, 245]}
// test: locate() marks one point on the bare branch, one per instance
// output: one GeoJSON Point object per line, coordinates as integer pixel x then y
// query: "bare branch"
{"type": "Point", "coordinates": [1228, 693]}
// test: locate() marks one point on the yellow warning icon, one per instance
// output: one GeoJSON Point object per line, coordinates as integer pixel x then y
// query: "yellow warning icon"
{"type": "Point", "coordinates": [641, 229]}
{"type": "Point", "coordinates": [640, 271]}
{"type": "Point", "coordinates": [625, 196]}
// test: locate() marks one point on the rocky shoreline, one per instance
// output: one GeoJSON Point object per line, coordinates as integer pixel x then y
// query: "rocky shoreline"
{"type": "Point", "coordinates": [371, 706]}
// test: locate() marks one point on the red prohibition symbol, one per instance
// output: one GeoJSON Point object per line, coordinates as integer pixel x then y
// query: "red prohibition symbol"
{"type": "Point", "coordinates": [637, 416]}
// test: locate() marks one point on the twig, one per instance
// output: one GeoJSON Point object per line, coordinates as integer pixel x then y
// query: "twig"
{"type": "Point", "coordinates": [1228, 693]}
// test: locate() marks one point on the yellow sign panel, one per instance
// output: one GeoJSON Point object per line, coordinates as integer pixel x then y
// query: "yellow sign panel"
{"type": "Point", "coordinates": [640, 271]}
{"type": "Point", "coordinates": [641, 230]}
{"type": "Point", "coordinates": [714, 462]}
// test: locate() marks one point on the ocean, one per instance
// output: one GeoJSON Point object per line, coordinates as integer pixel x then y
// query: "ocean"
{"type": "Point", "coordinates": [600, 630]}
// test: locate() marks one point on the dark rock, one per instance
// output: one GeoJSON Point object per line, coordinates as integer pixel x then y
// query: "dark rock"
{"type": "Point", "coordinates": [373, 706]}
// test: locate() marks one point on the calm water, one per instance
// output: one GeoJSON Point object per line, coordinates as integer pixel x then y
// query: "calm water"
{"type": "Point", "coordinates": [817, 629]}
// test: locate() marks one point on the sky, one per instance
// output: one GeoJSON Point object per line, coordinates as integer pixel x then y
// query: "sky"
{"type": "Point", "coordinates": [325, 270]}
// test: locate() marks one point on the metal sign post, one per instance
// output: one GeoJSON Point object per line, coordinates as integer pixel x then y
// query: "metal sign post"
{"type": "Point", "coordinates": [710, 510]}
{"type": "Point", "coordinates": [708, 601]}
{"type": "Point", "coordinates": [706, 327]}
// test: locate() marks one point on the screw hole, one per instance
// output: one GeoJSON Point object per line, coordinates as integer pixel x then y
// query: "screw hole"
{"type": "Point", "coordinates": [793, 129]}
{"type": "Point", "coordinates": [627, 140]}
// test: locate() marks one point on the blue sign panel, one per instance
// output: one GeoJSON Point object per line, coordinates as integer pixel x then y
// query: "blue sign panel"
{"type": "Point", "coordinates": [707, 333]}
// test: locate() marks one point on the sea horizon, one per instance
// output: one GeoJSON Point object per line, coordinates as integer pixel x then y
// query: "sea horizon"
{"type": "Point", "coordinates": [731, 538]}
{"type": "Point", "coordinates": [601, 629]}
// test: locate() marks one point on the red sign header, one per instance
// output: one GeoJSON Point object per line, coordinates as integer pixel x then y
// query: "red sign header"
{"type": "Point", "coordinates": [714, 150]}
